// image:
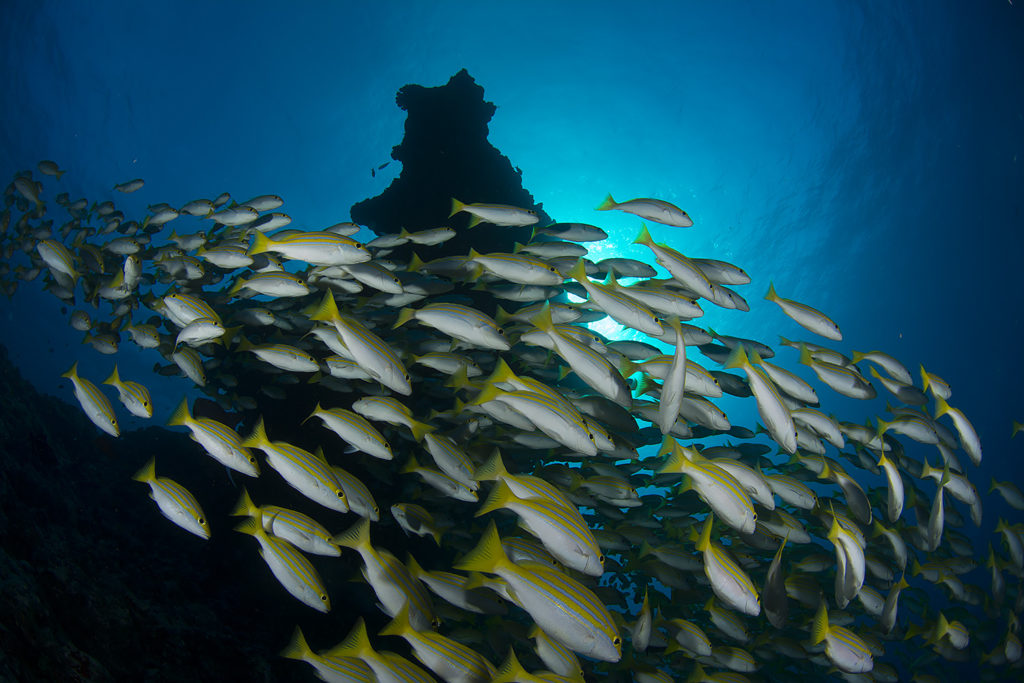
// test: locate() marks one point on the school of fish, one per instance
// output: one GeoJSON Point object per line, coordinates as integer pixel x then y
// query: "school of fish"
{"type": "Point", "coordinates": [596, 510]}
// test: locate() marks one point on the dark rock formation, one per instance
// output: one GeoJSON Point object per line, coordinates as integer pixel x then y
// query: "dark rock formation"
{"type": "Point", "coordinates": [97, 586]}
{"type": "Point", "coordinates": [445, 154]}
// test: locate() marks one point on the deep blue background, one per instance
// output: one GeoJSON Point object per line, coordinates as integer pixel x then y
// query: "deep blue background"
{"type": "Point", "coordinates": [866, 157]}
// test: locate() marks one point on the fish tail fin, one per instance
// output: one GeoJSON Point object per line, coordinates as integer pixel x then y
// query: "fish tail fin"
{"type": "Point", "coordinates": [415, 263]}
{"type": "Point", "coordinates": [489, 393]}
{"type": "Point", "coordinates": [400, 625]}
{"type": "Point", "coordinates": [327, 310]}
{"type": "Point", "coordinates": [260, 244]}
{"type": "Point", "coordinates": [492, 469]}
{"type": "Point", "coordinates": [252, 526]}
{"type": "Point", "coordinates": [542, 320]}
{"type": "Point", "coordinates": [181, 415]}
{"type": "Point", "coordinates": [404, 316]}
{"type": "Point", "coordinates": [244, 507]}
{"type": "Point", "coordinates": [258, 438]}
{"type": "Point", "coordinates": [420, 429]}
{"type": "Point", "coordinates": [771, 295]}
{"type": "Point", "coordinates": [500, 496]}
{"type": "Point", "coordinates": [697, 675]}
{"type": "Point", "coordinates": [677, 462]}
{"type": "Point", "coordinates": [297, 647]}
{"type": "Point", "coordinates": [606, 205]}
{"type": "Point", "coordinates": [457, 206]}
{"type": "Point", "coordinates": [941, 407]}
{"type": "Point", "coordinates": [355, 537]}
{"type": "Point", "coordinates": [579, 272]}
{"type": "Point", "coordinates": [315, 412]}
{"type": "Point", "coordinates": [410, 466]}
{"type": "Point", "coordinates": [114, 378]}
{"type": "Point", "coordinates": [819, 628]}
{"type": "Point", "coordinates": [510, 670]}
{"type": "Point", "coordinates": [474, 221]}
{"type": "Point", "coordinates": [236, 287]}
{"type": "Point", "coordinates": [488, 556]}
{"type": "Point", "coordinates": [644, 236]}
{"type": "Point", "coordinates": [147, 473]}
{"type": "Point", "coordinates": [805, 355]}
{"type": "Point", "coordinates": [73, 372]}
{"type": "Point", "coordinates": [356, 643]}
{"type": "Point", "coordinates": [738, 358]}
{"type": "Point", "coordinates": [502, 373]}
{"type": "Point", "coordinates": [704, 542]}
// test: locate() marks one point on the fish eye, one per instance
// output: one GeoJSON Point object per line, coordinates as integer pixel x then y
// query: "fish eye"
{"type": "Point", "coordinates": [376, 510]}
{"type": "Point", "coordinates": [359, 245]}
{"type": "Point", "coordinates": [201, 521]}
{"type": "Point", "coordinates": [501, 331]}
{"type": "Point", "coordinates": [406, 377]}
{"type": "Point", "coordinates": [323, 597]}
{"type": "Point", "coordinates": [341, 494]}
{"type": "Point", "coordinates": [616, 641]}
{"type": "Point", "coordinates": [252, 459]}
{"type": "Point", "coordinates": [600, 558]}
{"type": "Point", "coordinates": [387, 445]}
{"type": "Point", "coordinates": [590, 435]}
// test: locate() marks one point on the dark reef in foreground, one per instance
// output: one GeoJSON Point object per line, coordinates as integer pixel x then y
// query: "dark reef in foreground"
{"type": "Point", "coordinates": [445, 154]}
{"type": "Point", "coordinates": [96, 585]}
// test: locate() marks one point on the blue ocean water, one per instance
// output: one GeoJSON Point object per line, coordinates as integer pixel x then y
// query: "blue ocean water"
{"type": "Point", "coordinates": [866, 157]}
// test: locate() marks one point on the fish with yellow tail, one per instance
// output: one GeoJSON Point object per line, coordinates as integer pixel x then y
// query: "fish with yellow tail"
{"type": "Point", "coordinates": [96, 406]}
{"type": "Point", "coordinates": [175, 502]}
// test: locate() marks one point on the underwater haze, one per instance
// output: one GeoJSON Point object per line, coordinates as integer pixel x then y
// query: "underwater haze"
{"type": "Point", "coordinates": [865, 158]}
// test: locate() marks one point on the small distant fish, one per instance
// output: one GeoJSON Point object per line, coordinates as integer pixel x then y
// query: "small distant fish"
{"type": "Point", "coordinates": [130, 186]}
{"type": "Point", "coordinates": [50, 168]}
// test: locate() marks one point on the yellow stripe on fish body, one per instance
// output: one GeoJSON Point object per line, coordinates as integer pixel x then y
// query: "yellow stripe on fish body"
{"type": "Point", "coordinates": [547, 415]}
{"type": "Point", "coordinates": [563, 532]}
{"type": "Point", "coordinates": [301, 530]}
{"type": "Point", "coordinates": [449, 659]}
{"type": "Point", "coordinates": [589, 365]}
{"type": "Point", "coordinates": [317, 248]}
{"type": "Point", "coordinates": [846, 650]}
{"type": "Point", "coordinates": [305, 472]}
{"type": "Point", "coordinates": [770, 406]}
{"type": "Point", "coordinates": [496, 214]}
{"type": "Point", "coordinates": [809, 318]}
{"type": "Point", "coordinates": [370, 351]}
{"type": "Point", "coordinates": [176, 503]}
{"type": "Point", "coordinates": [285, 357]}
{"type": "Point", "coordinates": [720, 490]}
{"type": "Point", "coordinates": [184, 308]}
{"type": "Point", "coordinates": [289, 566]}
{"type": "Point", "coordinates": [275, 283]}
{"type": "Point", "coordinates": [622, 308]}
{"type": "Point", "coordinates": [557, 657]}
{"type": "Point", "coordinates": [523, 485]}
{"type": "Point", "coordinates": [519, 268]}
{"type": "Point", "coordinates": [355, 430]}
{"type": "Point", "coordinates": [461, 322]}
{"type": "Point", "coordinates": [450, 459]}
{"type": "Point", "coordinates": [730, 583]}
{"type": "Point", "coordinates": [95, 405]}
{"type": "Point", "coordinates": [449, 486]}
{"type": "Point", "coordinates": [685, 271]}
{"type": "Point", "coordinates": [133, 395]}
{"type": "Point", "coordinates": [221, 442]}
{"type": "Point", "coordinates": [389, 578]}
{"type": "Point", "coordinates": [839, 378]}
{"type": "Point", "coordinates": [657, 210]}
{"type": "Point", "coordinates": [359, 498]}
{"type": "Point", "coordinates": [563, 608]}
{"type": "Point", "coordinates": [391, 410]}
{"type": "Point", "coordinates": [58, 257]}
